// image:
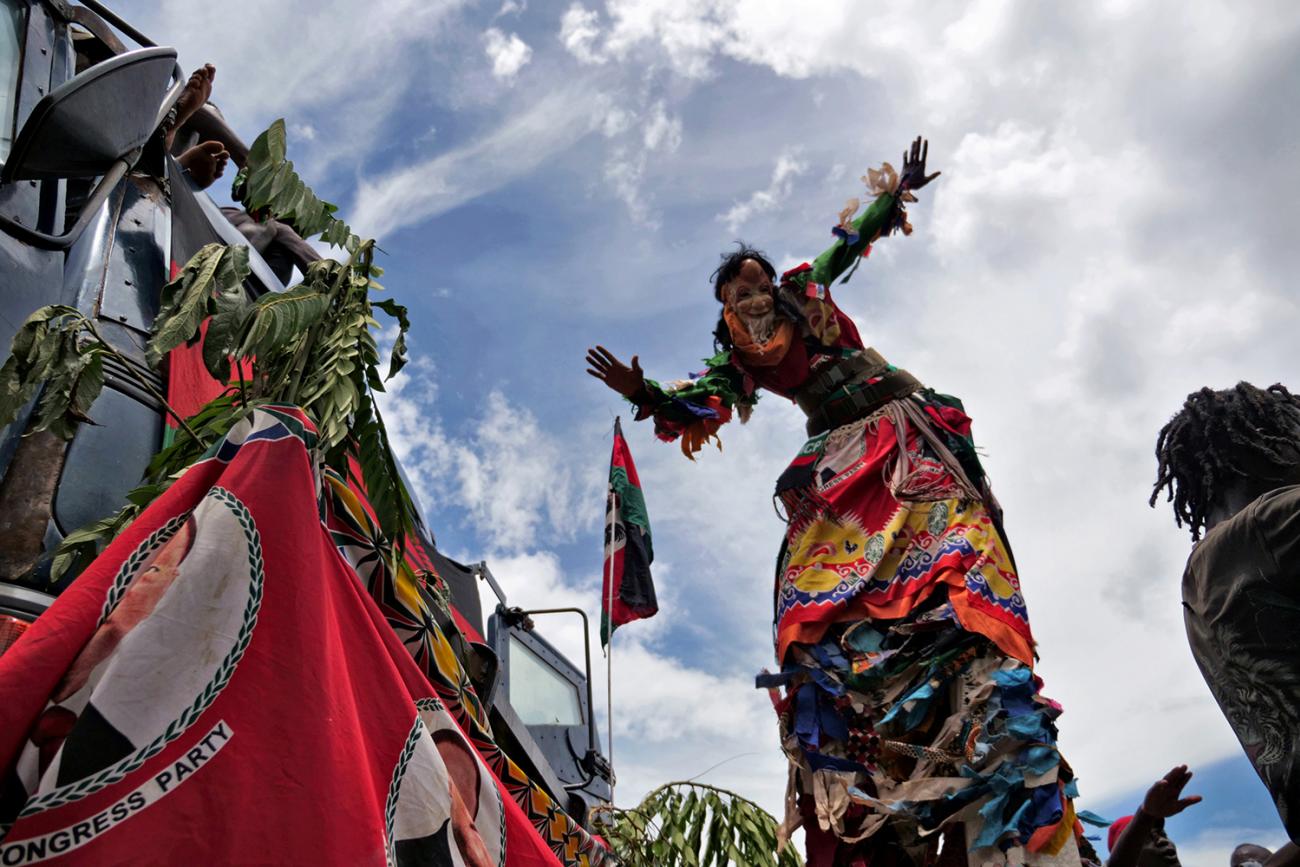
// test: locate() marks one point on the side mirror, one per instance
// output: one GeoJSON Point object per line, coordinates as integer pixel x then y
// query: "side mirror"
{"type": "Point", "coordinates": [93, 125]}
{"type": "Point", "coordinates": [94, 119]}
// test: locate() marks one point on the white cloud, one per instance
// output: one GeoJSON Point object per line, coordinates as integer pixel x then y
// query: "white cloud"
{"type": "Point", "coordinates": [517, 147]}
{"type": "Point", "coordinates": [579, 32]}
{"type": "Point", "coordinates": [661, 130]}
{"type": "Point", "coordinates": [616, 122]}
{"type": "Point", "coordinates": [301, 60]}
{"type": "Point", "coordinates": [508, 53]}
{"type": "Point", "coordinates": [624, 170]}
{"type": "Point", "coordinates": [513, 475]}
{"type": "Point", "coordinates": [628, 160]}
{"type": "Point", "coordinates": [510, 7]}
{"type": "Point", "coordinates": [688, 31]}
{"type": "Point", "coordinates": [788, 167]}
{"type": "Point", "coordinates": [509, 479]}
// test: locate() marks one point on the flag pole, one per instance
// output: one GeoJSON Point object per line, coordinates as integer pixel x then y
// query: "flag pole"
{"type": "Point", "coordinates": [609, 635]}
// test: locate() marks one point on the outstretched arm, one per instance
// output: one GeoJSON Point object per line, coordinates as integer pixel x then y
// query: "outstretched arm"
{"type": "Point", "coordinates": [626, 380]}
{"type": "Point", "coordinates": [1163, 799]}
{"type": "Point", "coordinates": [881, 217]}
{"type": "Point", "coordinates": [692, 410]}
{"type": "Point", "coordinates": [1287, 856]}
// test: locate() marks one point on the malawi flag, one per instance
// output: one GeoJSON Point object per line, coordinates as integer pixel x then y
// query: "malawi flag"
{"type": "Point", "coordinates": [628, 552]}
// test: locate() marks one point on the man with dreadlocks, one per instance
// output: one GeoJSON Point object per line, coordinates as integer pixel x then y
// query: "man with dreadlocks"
{"type": "Point", "coordinates": [1230, 462]}
{"type": "Point", "coordinates": [910, 705]}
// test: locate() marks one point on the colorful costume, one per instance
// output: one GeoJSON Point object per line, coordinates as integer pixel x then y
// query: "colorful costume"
{"type": "Point", "coordinates": [905, 653]}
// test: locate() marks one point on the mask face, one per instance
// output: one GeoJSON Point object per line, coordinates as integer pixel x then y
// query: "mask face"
{"type": "Point", "coordinates": [751, 291]}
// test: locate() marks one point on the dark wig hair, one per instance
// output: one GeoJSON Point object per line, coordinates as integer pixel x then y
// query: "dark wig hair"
{"type": "Point", "coordinates": [728, 269]}
{"type": "Point", "coordinates": [1202, 448]}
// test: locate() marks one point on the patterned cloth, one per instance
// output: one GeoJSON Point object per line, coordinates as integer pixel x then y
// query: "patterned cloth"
{"type": "Point", "coordinates": [403, 596]}
{"type": "Point", "coordinates": [877, 550]}
{"type": "Point", "coordinates": [910, 702]}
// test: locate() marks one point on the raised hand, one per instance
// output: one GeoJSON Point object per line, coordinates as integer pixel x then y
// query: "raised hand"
{"type": "Point", "coordinates": [1163, 799]}
{"type": "Point", "coordinates": [913, 175]}
{"type": "Point", "coordinates": [602, 364]}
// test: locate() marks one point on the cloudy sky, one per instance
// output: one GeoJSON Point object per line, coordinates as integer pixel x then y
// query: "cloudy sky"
{"type": "Point", "coordinates": [1114, 228]}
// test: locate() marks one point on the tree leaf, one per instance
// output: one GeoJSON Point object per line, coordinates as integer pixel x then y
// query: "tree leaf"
{"type": "Point", "coordinates": [398, 356]}
{"type": "Point", "coordinates": [280, 318]}
{"type": "Point", "coordinates": [699, 810]}
{"type": "Point", "coordinates": [269, 147]}
{"type": "Point", "coordinates": [52, 412]}
{"type": "Point", "coordinates": [90, 382]}
{"type": "Point", "coordinates": [697, 825]}
{"type": "Point", "coordinates": [81, 546]}
{"type": "Point", "coordinates": [184, 305]}
{"type": "Point", "coordinates": [269, 181]}
{"type": "Point", "coordinates": [225, 332]}
{"type": "Point", "coordinates": [32, 330]}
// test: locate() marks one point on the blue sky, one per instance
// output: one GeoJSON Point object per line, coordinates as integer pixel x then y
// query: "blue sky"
{"type": "Point", "coordinates": [1113, 229]}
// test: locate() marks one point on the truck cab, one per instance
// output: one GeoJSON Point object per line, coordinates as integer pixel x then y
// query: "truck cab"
{"type": "Point", "coordinates": [540, 702]}
{"type": "Point", "coordinates": [96, 215]}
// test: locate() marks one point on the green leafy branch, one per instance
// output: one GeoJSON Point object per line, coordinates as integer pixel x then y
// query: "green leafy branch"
{"type": "Point", "coordinates": [60, 348]}
{"type": "Point", "coordinates": [59, 353]}
{"type": "Point", "coordinates": [687, 824]}
{"type": "Point", "coordinates": [311, 346]}
{"type": "Point", "coordinates": [268, 182]}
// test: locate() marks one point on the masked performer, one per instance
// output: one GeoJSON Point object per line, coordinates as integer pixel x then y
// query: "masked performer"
{"type": "Point", "coordinates": [910, 706]}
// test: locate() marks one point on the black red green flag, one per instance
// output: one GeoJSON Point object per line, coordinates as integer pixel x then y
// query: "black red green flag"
{"type": "Point", "coordinates": [628, 551]}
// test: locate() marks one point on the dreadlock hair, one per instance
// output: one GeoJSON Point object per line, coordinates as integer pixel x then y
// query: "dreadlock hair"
{"type": "Point", "coordinates": [727, 271]}
{"type": "Point", "coordinates": [1202, 447]}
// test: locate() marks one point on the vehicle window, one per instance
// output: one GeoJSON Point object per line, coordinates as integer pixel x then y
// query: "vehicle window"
{"type": "Point", "coordinates": [539, 693]}
{"type": "Point", "coordinates": [12, 17]}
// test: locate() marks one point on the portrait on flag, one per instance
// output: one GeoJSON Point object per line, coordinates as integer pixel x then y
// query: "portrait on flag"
{"type": "Point", "coordinates": [181, 612]}
{"type": "Point", "coordinates": [448, 809]}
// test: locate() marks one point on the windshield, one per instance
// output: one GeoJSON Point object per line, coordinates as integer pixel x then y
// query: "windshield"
{"type": "Point", "coordinates": [539, 693]}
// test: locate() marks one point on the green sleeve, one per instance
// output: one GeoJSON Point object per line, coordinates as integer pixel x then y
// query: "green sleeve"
{"type": "Point", "coordinates": [676, 409]}
{"type": "Point", "coordinates": [836, 260]}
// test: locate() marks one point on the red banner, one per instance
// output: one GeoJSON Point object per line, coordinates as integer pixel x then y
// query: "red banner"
{"type": "Point", "coordinates": [219, 688]}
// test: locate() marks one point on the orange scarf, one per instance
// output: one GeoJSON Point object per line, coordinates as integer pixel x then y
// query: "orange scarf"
{"type": "Point", "coordinates": [755, 354]}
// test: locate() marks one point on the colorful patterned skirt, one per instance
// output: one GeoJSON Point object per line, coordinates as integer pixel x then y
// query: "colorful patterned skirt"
{"type": "Point", "coordinates": [907, 700]}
